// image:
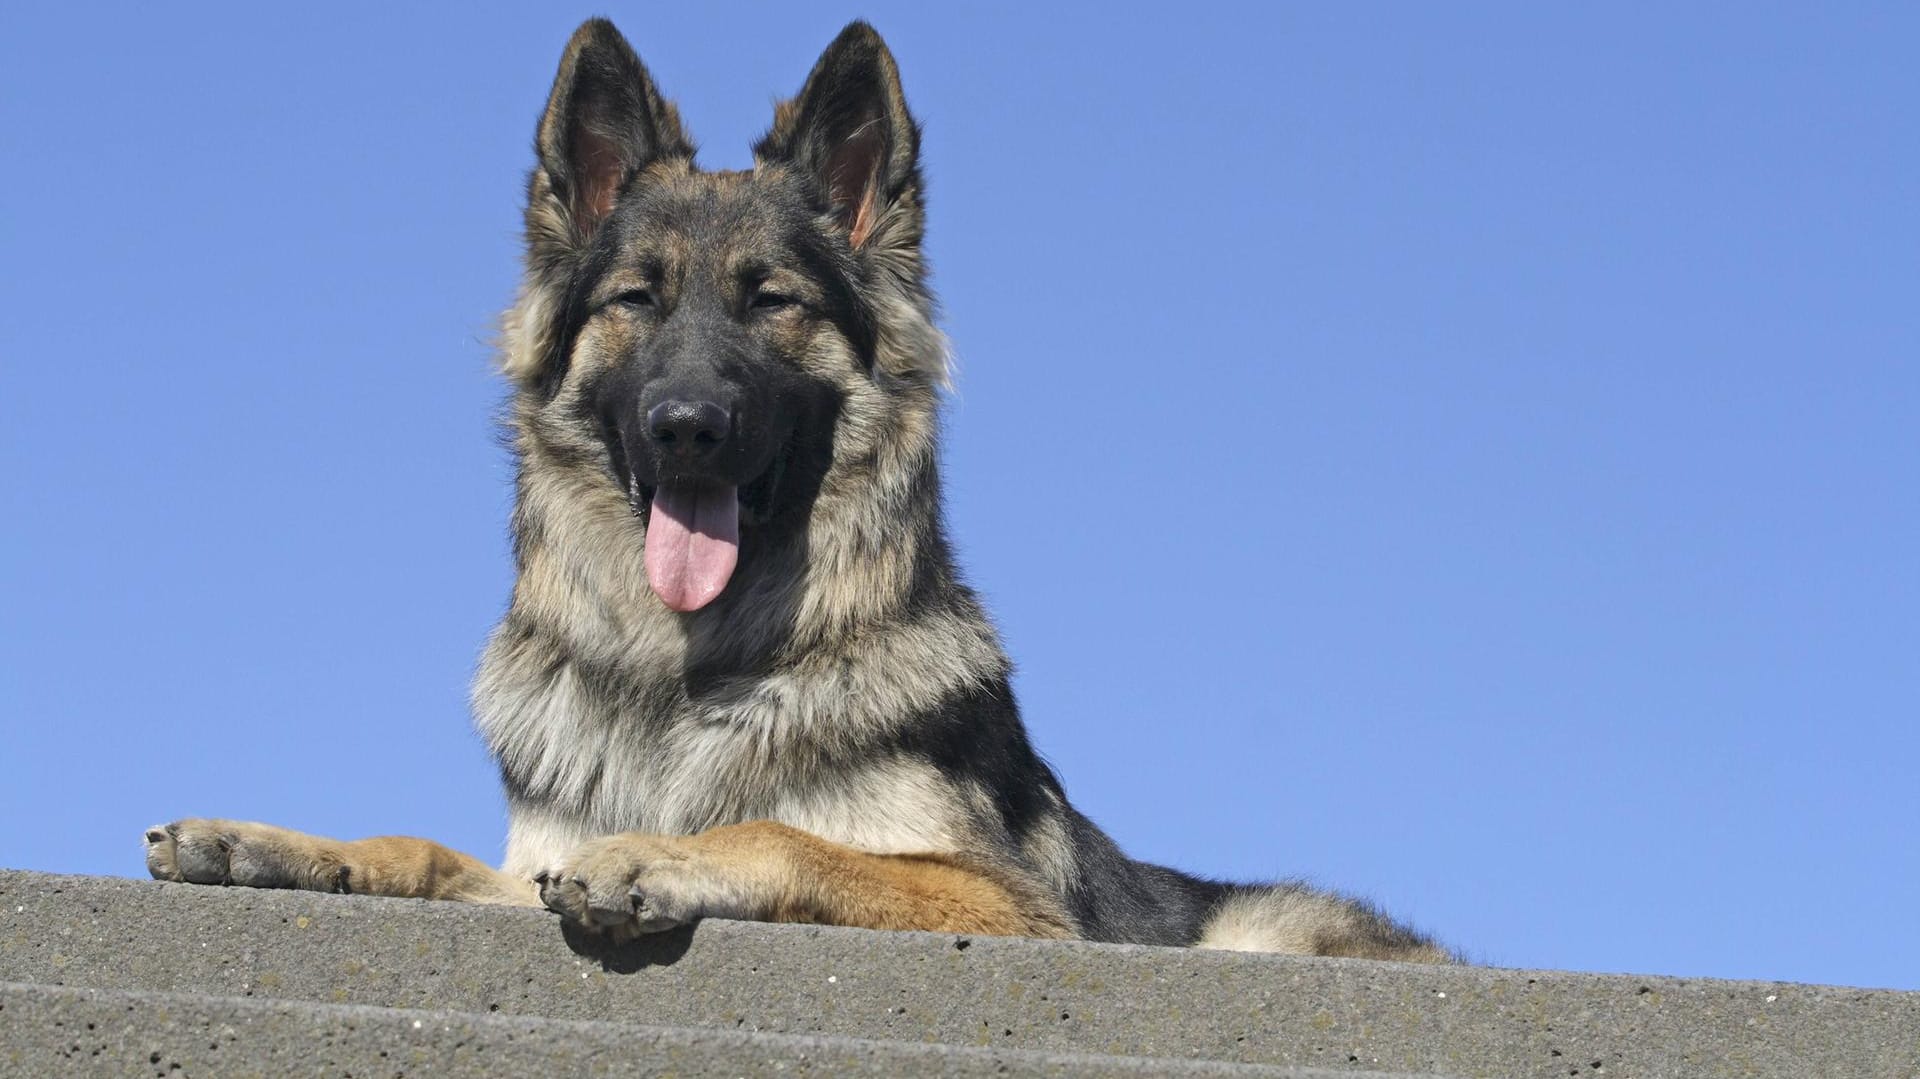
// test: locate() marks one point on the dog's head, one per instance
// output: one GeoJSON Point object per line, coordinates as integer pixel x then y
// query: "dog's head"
{"type": "Point", "coordinates": [716, 344]}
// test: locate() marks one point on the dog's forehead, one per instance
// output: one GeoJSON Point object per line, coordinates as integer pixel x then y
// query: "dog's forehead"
{"type": "Point", "coordinates": [687, 213]}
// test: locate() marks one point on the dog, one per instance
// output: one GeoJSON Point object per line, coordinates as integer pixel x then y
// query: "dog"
{"type": "Point", "coordinates": [740, 676]}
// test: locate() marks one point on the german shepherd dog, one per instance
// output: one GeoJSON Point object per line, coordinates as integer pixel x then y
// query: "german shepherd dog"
{"type": "Point", "coordinates": [740, 676]}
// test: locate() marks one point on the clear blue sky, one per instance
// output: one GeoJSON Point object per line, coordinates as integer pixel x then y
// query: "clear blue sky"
{"type": "Point", "coordinates": [1549, 569]}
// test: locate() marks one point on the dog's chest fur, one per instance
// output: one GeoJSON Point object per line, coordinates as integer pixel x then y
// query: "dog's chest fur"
{"type": "Point", "coordinates": [588, 752]}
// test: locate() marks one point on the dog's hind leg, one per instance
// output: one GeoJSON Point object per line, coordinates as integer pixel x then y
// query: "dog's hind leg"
{"type": "Point", "coordinates": [203, 851]}
{"type": "Point", "coordinates": [625, 885]}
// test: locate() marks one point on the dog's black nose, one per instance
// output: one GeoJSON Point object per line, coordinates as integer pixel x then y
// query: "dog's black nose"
{"type": "Point", "coordinates": [688, 426]}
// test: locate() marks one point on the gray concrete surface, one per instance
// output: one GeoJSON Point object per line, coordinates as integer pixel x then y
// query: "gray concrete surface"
{"type": "Point", "coordinates": [986, 993]}
{"type": "Point", "coordinates": [50, 1031]}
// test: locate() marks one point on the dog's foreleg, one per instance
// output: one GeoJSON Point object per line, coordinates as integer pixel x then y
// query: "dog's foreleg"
{"type": "Point", "coordinates": [203, 851]}
{"type": "Point", "coordinates": [625, 885]}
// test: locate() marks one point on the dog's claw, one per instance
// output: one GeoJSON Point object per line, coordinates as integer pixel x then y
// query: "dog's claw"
{"type": "Point", "coordinates": [554, 894]}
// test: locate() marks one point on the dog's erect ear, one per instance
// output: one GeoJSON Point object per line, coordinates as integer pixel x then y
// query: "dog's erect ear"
{"type": "Point", "coordinates": [604, 122]}
{"type": "Point", "coordinates": [850, 130]}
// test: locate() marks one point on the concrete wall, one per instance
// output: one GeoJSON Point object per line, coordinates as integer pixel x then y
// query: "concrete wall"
{"type": "Point", "coordinates": [103, 975]}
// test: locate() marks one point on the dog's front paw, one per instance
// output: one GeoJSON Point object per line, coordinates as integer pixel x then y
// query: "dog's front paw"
{"type": "Point", "coordinates": [625, 885]}
{"type": "Point", "coordinates": [201, 851]}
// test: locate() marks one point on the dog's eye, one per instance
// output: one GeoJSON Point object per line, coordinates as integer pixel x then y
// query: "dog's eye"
{"type": "Point", "coordinates": [635, 297]}
{"type": "Point", "coordinates": [765, 300]}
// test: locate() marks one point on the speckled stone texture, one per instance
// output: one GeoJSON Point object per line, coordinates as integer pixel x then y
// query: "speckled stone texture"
{"type": "Point", "coordinates": [324, 972]}
{"type": "Point", "coordinates": [55, 1030]}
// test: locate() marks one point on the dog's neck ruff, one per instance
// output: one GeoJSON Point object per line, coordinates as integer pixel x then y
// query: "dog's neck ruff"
{"type": "Point", "coordinates": [604, 706]}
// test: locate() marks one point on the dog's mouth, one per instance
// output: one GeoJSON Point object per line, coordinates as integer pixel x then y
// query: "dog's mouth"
{"type": "Point", "coordinates": [693, 532]}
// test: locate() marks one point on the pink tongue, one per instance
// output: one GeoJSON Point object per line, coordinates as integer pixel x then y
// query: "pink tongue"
{"type": "Point", "coordinates": [693, 542]}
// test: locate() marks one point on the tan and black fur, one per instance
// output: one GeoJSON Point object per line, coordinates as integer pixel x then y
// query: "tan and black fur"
{"type": "Point", "coordinates": [832, 737]}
